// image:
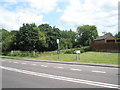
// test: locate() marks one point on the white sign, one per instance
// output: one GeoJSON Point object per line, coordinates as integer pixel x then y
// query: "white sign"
{"type": "Point", "coordinates": [78, 51]}
{"type": "Point", "coordinates": [57, 40]}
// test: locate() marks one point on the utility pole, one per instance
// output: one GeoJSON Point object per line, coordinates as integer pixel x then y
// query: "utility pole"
{"type": "Point", "coordinates": [58, 48]}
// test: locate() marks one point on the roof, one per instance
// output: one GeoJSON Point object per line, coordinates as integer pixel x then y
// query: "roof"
{"type": "Point", "coordinates": [108, 36]}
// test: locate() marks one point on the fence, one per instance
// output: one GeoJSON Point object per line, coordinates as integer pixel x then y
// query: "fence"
{"type": "Point", "coordinates": [106, 46]}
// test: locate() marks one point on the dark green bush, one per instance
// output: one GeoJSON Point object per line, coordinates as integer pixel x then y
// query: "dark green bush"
{"type": "Point", "coordinates": [85, 49]}
{"type": "Point", "coordinates": [72, 51]}
{"type": "Point", "coordinates": [21, 53]}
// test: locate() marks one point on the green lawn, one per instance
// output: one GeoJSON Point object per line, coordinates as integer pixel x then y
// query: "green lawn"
{"type": "Point", "coordinates": [88, 57]}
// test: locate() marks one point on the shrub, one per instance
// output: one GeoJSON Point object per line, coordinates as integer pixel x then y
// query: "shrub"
{"type": "Point", "coordinates": [72, 51]}
{"type": "Point", "coordinates": [22, 53]}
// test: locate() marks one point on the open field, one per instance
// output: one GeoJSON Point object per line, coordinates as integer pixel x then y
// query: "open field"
{"type": "Point", "coordinates": [87, 57]}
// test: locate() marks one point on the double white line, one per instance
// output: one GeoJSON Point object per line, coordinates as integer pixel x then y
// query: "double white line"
{"type": "Point", "coordinates": [61, 78]}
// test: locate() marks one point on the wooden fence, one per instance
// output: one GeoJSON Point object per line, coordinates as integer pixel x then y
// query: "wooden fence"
{"type": "Point", "coordinates": [106, 46]}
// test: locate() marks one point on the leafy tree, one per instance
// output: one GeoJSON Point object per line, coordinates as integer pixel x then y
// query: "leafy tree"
{"type": "Point", "coordinates": [117, 35]}
{"type": "Point", "coordinates": [107, 33]}
{"type": "Point", "coordinates": [67, 39]}
{"type": "Point", "coordinates": [30, 38]}
{"type": "Point", "coordinates": [66, 43]}
{"type": "Point", "coordinates": [86, 34]}
{"type": "Point", "coordinates": [8, 40]}
{"type": "Point", "coordinates": [4, 34]}
{"type": "Point", "coordinates": [51, 34]}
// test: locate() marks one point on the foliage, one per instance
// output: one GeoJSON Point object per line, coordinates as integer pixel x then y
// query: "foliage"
{"type": "Point", "coordinates": [117, 35]}
{"type": "Point", "coordinates": [4, 33]}
{"type": "Point", "coordinates": [67, 39]}
{"type": "Point", "coordinates": [86, 34]}
{"type": "Point", "coordinates": [8, 39]}
{"type": "Point", "coordinates": [82, 50]}
{"type": "Point", "coordinates": [51, 34]}
{"type": "Point", "coordinates": [30, 38]}
{"type": "Point", "coordinates": [22, 53]}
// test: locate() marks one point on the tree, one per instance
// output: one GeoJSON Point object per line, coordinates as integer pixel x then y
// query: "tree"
{"type": "Point", "coordinates": [107, 33]}
{"type": "Point", "coordinates": [51, 34]}
{"type": "Point", "coordinates": [4, 34]}
{"type": "Point", "coordinates": [30, 38]}
{"type": "Point", "coordinates": [117, 35]}
{"type": "Point", "coordinates": [8, 40]}
{"type": "Point", "coordinates": [67, 39]}
{"type": "Point", "coordinates": [86, 34]}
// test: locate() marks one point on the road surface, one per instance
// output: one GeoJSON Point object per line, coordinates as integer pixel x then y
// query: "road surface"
{"type": "Point", "coordinates": [29, 74]}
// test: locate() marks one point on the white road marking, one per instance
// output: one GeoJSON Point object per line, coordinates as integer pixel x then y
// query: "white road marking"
{"type": "Point", "coordinates": [26, 61]}
{"type": "Point", "coordinates": [15, 62]}
{"type": "Point", "coordinates": [74, 80]}
{"type": "Point", "coordinates": [23, 63]}
{"type": "Point", "coordinates": [9, 61]}
{"type": "Point", "coordinates": [34, 64]}
{"type": "Point", "coordinates": [3, 60]}
{"type": "Point", "coordinates": [48, 63]}
{"type": "Point", "coordinates": [99, 71]}
{"type": "Point", "coordinates": [74, 69]}
{"type": "Point", "coordinates": [92, 67]}
{"type": "Point", "coordinates": [44, 66]}
{"type": "Point", "coordinates": [59, 67]}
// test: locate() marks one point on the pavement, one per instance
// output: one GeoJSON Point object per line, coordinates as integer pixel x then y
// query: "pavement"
{"type": "Point", "coordinates": [74, 63]}
{"type": "Point", "coordinates": [18, 73]}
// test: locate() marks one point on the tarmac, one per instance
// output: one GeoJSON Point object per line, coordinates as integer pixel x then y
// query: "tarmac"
{"type": "Point", "coordinates": [75, 63]}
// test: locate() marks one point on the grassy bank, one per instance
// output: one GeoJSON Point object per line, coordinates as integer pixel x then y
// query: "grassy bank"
{"type": "Point", "coordinates": [87, 57]}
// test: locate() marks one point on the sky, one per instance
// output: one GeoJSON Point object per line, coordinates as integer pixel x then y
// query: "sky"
{"type": "Point", "coordinates": [63, 14]}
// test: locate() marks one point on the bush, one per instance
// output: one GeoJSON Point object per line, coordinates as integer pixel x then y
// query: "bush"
{"type": "Point", "coordinates": [72, 51]}
{"type": "Point", "coordinates": [22, 53]}
{"type": "Point", "coordinates": [85, 49]}
{"type": "Point", "coordinates": [69, 51]}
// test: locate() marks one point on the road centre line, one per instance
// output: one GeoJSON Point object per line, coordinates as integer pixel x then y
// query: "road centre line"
{"type": "Point", "coordinates": [9, 61]}
{"type": "Point", "coordinates": [34, 64]}
{"type": "Point", "coordinates": [99, 71]}
{"type": "Point", "coordinates": [75, 69]}
{"type": "Point", "coordinates": [23, 63]}
{"type": "Point", "coordinates": [74, 80]}
{"type": "Point", "coordinates": [59, 67]}
{"type": "Point", "coordinates": [15, 62]}
{"type": "Point", "coordinates": [65, 64]}
{"type": "Point", "coordinates": [44, 66]}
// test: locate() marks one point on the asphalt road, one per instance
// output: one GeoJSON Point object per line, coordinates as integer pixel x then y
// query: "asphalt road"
{"type": "Point", "coordinates": [28, 74]}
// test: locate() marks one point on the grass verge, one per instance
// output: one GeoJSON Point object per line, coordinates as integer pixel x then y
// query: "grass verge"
{"type": "Point", "coordinates": [87, 57]}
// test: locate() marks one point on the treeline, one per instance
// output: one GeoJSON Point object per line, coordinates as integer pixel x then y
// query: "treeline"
{"type": "Point", "coordinates": [31, 37]}
{"type": "Point", "coordinates": [41, 38]}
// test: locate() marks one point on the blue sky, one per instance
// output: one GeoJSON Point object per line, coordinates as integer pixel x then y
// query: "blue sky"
{"type": "Point", "coordinates": [64, 14]}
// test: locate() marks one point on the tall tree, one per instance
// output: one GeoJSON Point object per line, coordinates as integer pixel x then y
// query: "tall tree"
{"type": "Point", "coordinates": [51, 33]}
{"type": "Point", "coordinates": [4, 34]}
{"type": "Point", "coordinates": [8, 40]}
{"type": "Point", "coordinates": [117, 35]}
{"type": "Point", "coordinates": [86, 34]}
{"type": "Point", "coordinates": [67, 39]}
{"type": "Point", "coordinates": [30, 38]}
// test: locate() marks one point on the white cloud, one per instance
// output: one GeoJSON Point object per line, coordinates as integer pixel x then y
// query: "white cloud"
{"type": "Point", "coordinates": [58, 10]}
{"type": "Point", "coordinates": [13, 20]}
{"type": "Point", "coordinates": [33, 12]}
{"type": "Point", "coordinates": [103, 14]}
{"type": "Point", "coordinates": [43, 6]}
